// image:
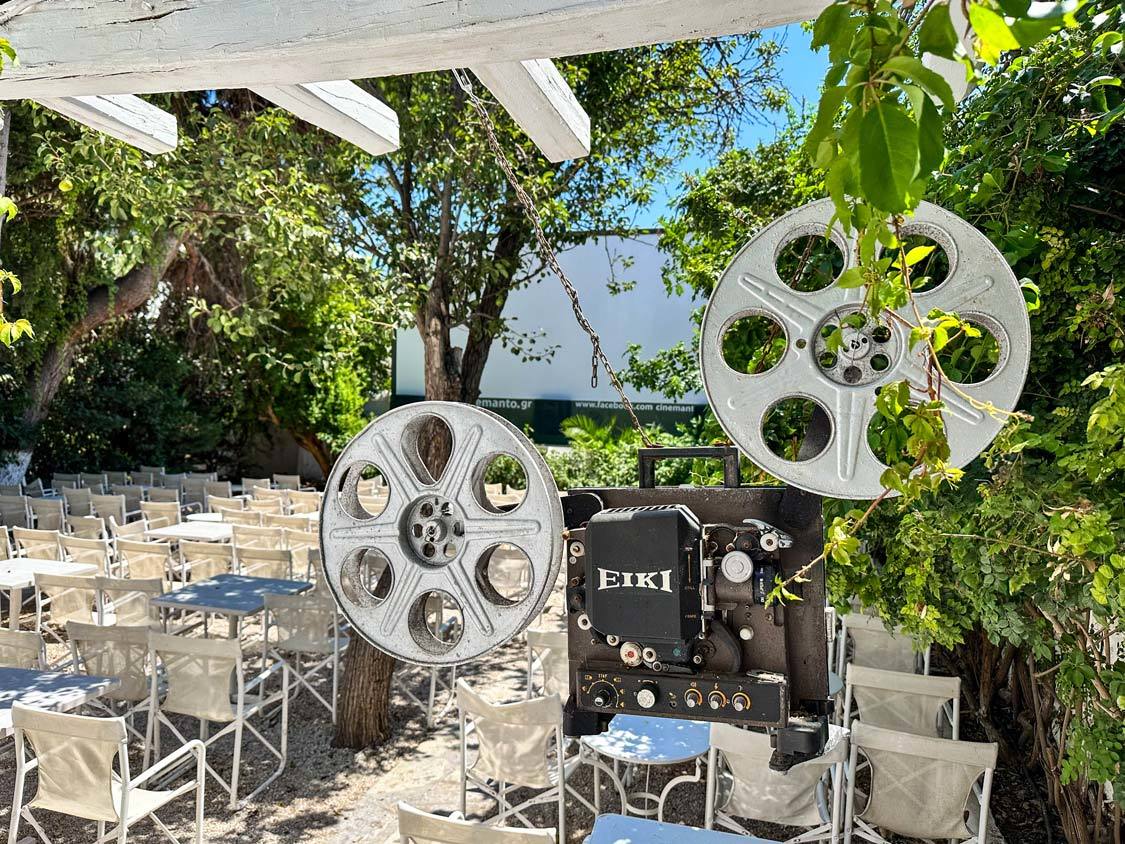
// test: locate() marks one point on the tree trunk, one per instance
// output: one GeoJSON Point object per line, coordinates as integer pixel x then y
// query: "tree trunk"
{"type": "Point", "coordinates": [364, 706]}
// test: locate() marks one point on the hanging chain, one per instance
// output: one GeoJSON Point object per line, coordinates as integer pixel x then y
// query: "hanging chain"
{"type": "Point", "coordinates": [547, 253]}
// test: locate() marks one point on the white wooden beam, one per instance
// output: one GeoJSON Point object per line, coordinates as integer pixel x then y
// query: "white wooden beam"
{"type": "Point", "coordinates": [342, 108]}
{"type": "Point", "coordinates": [540, 101]}
{"type": "Point", "coordinates": [127, 118]}
{"type": "Point", "coordinates": [71, 47]}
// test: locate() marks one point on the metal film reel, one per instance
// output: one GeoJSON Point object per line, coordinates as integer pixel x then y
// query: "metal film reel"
{"type": "Point", "coordinates": [980, 286]}
{"type": "Point", "coordinates": [422, 569]}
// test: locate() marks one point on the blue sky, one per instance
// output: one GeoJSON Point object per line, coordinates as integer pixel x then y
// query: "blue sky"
{"type": "Point", "coordinates": [801, 71]}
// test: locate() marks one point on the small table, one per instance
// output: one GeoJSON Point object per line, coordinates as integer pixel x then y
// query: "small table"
{"type": "Point", "coordinates": [19, 573]}
{"type": "Point", "coordinates": [233, 595]}
{"type": "Point", "coordinates": [194, 532]}
{"type": "Point", "coordinates": [618, 829]}
{"type": "Point", "coordinates": [204, 517]}
{"type": "Point", "coordinates": [641, 740]}
{"type": "Point", "coordinates": [47, 690]}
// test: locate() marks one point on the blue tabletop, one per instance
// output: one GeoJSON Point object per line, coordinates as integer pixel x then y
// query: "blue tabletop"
{"type": "Point", "coordinates": [46, 690]}
{"type": "Point", "coordinates": [617, 829]}
{"type": "Point", "coordinates": [647, 740]}
{"type": "Point", "coordinates": [229, 594]}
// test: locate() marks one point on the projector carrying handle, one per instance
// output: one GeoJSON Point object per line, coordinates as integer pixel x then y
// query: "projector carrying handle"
{"type": "Point", "coordinates": [647, 458]}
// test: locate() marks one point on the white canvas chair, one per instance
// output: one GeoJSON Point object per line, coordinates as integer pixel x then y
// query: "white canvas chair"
{"type": "Point", "coordinates": [22, 649]}
{"type": "Point", "coordinates": [167, 510]}
{"type": "Point", "coordinates": [165, 495]}
{"type": "Point", "coordinates": [250, 484]}
{"type": "Point", "coordinates": [48, 513]}
{"type": "Point", "coordinates": [300, 542]}
{"type": "Point", "coordinates": [217, 489]}
{"type": "Point", "coordinates": [65, 480]}
{"type": "Point", "coordinates": [144, 478]}
{"type": "Point", "coordinates": [547, 657]}
{"type": "Point", "coordinates": [218, 503]}
{"type": "Point", "coordinates": [127, 601]}
{"type": "Point", "coordinates": [74, 756]}
{"type": "Point", "coordinates": [85, 527]}
{"type": "Point", "coordinates": [418, 827]}
{"type": "Point", "coordinates": [301, 521]}
{"type": "Point", "coordinates": [37, 544]}
{"type": "Point", "coordinates": [910, 703]}
{"type": "Point", "coordinates": [172, 481]}
{"type": "Point", "coordinates": [193, 492]}
{"type": "Point", "coordinates": [304, 502]}
{"type": "Point", "coordinates": [250, 536]}
{"type": "Point", "coordinates": [134, 531]}
{"type": "Point", "coordinates": [198, 675]}
{"type": "Point", "coordinates": [116, 478]}
{"type": "Point", "coordinates": [35, 489]}
{"type": "Point", "coordinates": [920, 787]}
{"type": "Point", "coordinates": [519, 745]}
{"type": "Point", "coordinates": [264, 562]}
{"type": "Point", "coordinates": [118, 652]}
{"type": "Point", "coordinates": [6, 543]}
{"type": "Point", "coordinates": [94, 552]}
{"type": "Point", "coordinates": [307, 625]}
{"type": "Point", "coordinates": [133, 495]}
{"type": "Point", "coordinates": [96, 482]}
{"type": "Point", "coordinates": [241, 517]}
{"type": "Point", "coordinates": [68, 598]}
{"type": "Point", "coordinates": [110, 507]}
{"type": "Point", "coordinates": [146, 560]}
{"type": "Point", "coordinates": [741, 784]}
{"type": "Point", "coordinates": [79, 501]}
{"type": "Point", "coordinates": [872, 644]}
{"type": "Point", "coordinates": [15, 511]}
{"type": "Point", "coordinates": [272, 506]}
{"type": "Point", "coordinates": [203, 560]}
{"type": "Point", "coordinates": [287, 481]}
{"type": "Point", "coordinates": [438, 680]}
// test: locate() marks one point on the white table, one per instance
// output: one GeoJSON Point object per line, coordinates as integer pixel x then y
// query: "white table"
{"type": "Point", "coordinates": [618, 829]}
{"type": "Point", "coordinates": [19, 573]}
{"type": "Point", "coordinates": [47, 690]}
{"type": "Point", "coordinates": [194, 531]}
{"type": "Point", "coordinates": [647, 741]}
{"type": "Point", "coordinates": [204, 517]}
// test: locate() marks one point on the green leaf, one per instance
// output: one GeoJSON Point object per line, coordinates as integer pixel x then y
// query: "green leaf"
{"type": "Point", "coordinates": [888, 155]}
{"type": "Point", "coordinates": [931, 140]}
{"type": "Point", "coordinates": [851, 277]}
{"type": "Point", "coordinates": [992, 31]}
{"type": "Point", "coordinates": [834, 28]}
{"type": "Point", "coordinates": [937, 35]}
{"type": "Point", "coordinates": [911, 68]}
{"type": "Point", "coordinates": [830, 102]}
{"type": "Point", "coordinates": [66, 185]}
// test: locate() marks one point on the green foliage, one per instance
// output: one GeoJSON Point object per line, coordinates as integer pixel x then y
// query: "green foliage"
{"type": "Point", "coordinates": [10, 331]}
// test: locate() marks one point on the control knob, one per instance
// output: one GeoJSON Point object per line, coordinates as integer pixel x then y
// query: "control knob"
{"type": "Point", "coordinates": [646, 697]}
{"type": "Point", "coordinates": [603, 695]}
{"type": "Point", "coordinates": [740, 701]}
{"type": "Point", "coordinates": [693, 698]}
{"type": "Point", "coordinates": [716, 699]}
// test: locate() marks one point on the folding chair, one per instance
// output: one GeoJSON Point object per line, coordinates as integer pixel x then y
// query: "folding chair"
{"type": "Point", "coordinates": [48, 513]}
{"type": "Point", "coordinates": [116, 478]}
{"type": "Point", "coordinates": [910, 703]}
{"type": "Point", "coordinates": [145, 560]}
{"type": "Point", "coordinates": [921, 787]}
{"type": "Point", "coordinates": [217, 489]}
{"type": "Point", "coordinates": [96, 482]}
{"type": "Point", "coordinates": [110, 507]}
{"type": "Point", "coordinates": [301, 502]}
{"type": "Point", "coordinates": [121, 653]}
{"type": "Point", "coordinates": [417, 827]}
{"type": "Point", "coordinates": [242, 517]}
{"type": "Point", "coordinates": [514, 750]}
{"type": "Point", "coordinates": [165, 495]}
{"type": "Point", "coordinates": [264, 562]}
{"type": "Point", "coordinates": [172, 481]}
{"type": "Point", "coordinates": [69, 598]}
{"type": "Point", "coordinates": [194, 491]}
{"type": "Point", "coordinates": [74, 757]}
{"type": "Point", "coordinates": [34, 489]}
{"type": "Point", "coordinates": [250, 536]}
{"type": "Point", "coordinates": [126, 601]}
{"type": "Point", "coordinates": [406, 676]}
{"type": "Point", "coordinates": [6, 543]}
{"type": "Point", "coordinates": [546, 649]}
{"type": "Point", "coordinates": [299, 542]}
{"type": "Point", "coordinates": [93, 552]}
{"type": "Point", "coordinates": [22, 649]}
{"type": "Point", "coordinates": [872, 644]}
{"type": "Point", "coordinates": [146, 478]}
{"type": "Point", "coordinates": [86, 527]}
{"type": "Point", "coordinates": [275, 506]}
{"type": "Point", "coordinates": [11, 489]}
{"type": "Point", "coordinates": [15, 511]}
{"type": "Point", "coordinates": [287, 481]}
{"type": "Point", "coordinates": [37, 544]}
{"type": "Point", "coordinates": [250, 484]}
{"type": "Point", "coordinates": [152, 470]}
{"type": "Point", "coordinates": [300, 521]}
{"type": "Point", "coordinates": [79, 501]}
{"type": "Point", "coordinates": [203, 560]}
{"type": "Point", "coordinates": [217, 503]}
{"type": "Point", "coordinates": [132, 498]}
{"type": "Point", "coordinates": [167, 510]}
{"type": "Point", "coordinates": [741, 784]}
{"type": "Point", "coordinates": [306, 625]}
{"type": "Point", "coordinates": [65, 480]}
{"type": "Point", "coordinates": [129, 530]}
{"type": "Point", "coordinates": [198, 676]}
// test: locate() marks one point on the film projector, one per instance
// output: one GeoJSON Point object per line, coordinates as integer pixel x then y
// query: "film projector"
{"type": "Point", "coordinates": [665, 587]}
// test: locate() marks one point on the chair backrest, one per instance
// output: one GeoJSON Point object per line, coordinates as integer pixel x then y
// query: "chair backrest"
{"type": "Point", "coordinates": [305, 623]}
{"type": "Point", "coordinates": [93, 552]}
{"type": "Point", "coordinates": [265, 562]}
{"type": "Point", "coordinates": [550, 646]}
{"type": "Point", "coordinates": [198, 673]}
{"type": "Point", "coordinates": [71, 597]}
{"type": "Point", "coordinates": [299, 542]}
{"type": "Point", "coordinates": [107, 506]}
{"type": "Point", "coordinates": [194, 490]}
{"type": "Point", "coordinates": [130, 599]}
{"type": "Point", "coordinates": [117, 651]}
{"type": "Point", "coordinates": [217, 503]}
{"type": "Point", "coordinates": [143, 477]}
{"type": "Point", "coordinates": [87, 527]}
{"type": "Point", "coordinates": [117, 478]}
{"type": "Point", "coordinates": [269, 505]}
{"type": "Point", "coordinates": [876, 646]}
{"type": "Point", "coordinates": [920, 786]}
{"type": "Point", "coordinates": [11, 489]}
{"type": "Point", "coordinates": [6, 543]}
{"type": "Point", "coordinates": [218, 489]}
{"type": "Point", "coordinates": [34, 489]}
{"type": "Point", "coordinates": [48, 513]}
{"type": "Point", "coordinates": [417, 827]}
{"type": "Point", "coordinates": [95, 481]}
{"type": "Point", "coordinates": [173, 481]}
{"type": "Point", "coordinates": [132, 495]}
{"type": "Point", "coordinates": [249, 484]}
{"type": "Point", "coordinates": [895, 700]}
{"type": "Point", "coordinates": [37, 544]}
{"type": "Point", "coordinates": [129, 530]}
{"type": "Point", "coordinates": [207, 559]}
{"type": "Point", "coordinates": [78, 501]}
{"type": "Point", "coordinates": [21, 649]}
{"type": "Point", "coordinates": [146, 560]}
{"type": "Point", "coordinates": [242, 517]}
{"type": "Point", "coordinates": [65, 480]}
{"type": "Point", "coordinates": [75, 756]}
{"type": "Point", "coordinates": [287, 481]}
{"type": "Point", "coordinates": [14, 511]}
{"type": "Point", "coordinates": [248, 536]}
{"type": "Point", "coordinates": [152, 470]}
{"type": "Point", "coordinates": [513, 739]}
{"type": "Point", "coordinates": [265, 493]}
{"type": "Point", "coordinates": [165, 495]}
{"type": "Point", "coordinates": [298, 522]}
{"type": "Point", "coordinates": [760, 793]}
{"type": "Point", "coordinates": [169, 510]}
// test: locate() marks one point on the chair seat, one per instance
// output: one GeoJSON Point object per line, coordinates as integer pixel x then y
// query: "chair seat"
{"type": "Point", "coordinates": [142, 801]}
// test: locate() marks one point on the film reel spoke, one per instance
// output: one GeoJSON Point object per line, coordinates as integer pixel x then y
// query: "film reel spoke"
{"type": "Point", "coordinates": [457, 475]}
{"type": "Point", "coordinates": [852, 414]}
{"type": "Point", "coordinates": [798, 313]}
{"type": "Point", "coordinates": [463, 587]}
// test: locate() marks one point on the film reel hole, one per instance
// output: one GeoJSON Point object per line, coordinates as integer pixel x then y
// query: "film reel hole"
{"type": "Point", "coordinates": [880, 362]}
{"type": "Point", "coordinates": [753, 344]}
{"type": "Point", "coordinates": [363, 491]}
{"type": "Point", "coordinates": [504, 485]}
{"type": "Point", "coordinates": [436, 622]}
{"type": "Point", "coordinates": [929, 263]}
{"type": "Point", "coordinates": [504, 574]}
{"type": "Point", "coordinates": [968, 359]}
{"type": "Point", "coordinates": [786, 427]}
{"type": "Point", "coordinates": [887, 440]}
{"type": "Point", "coordinates": [809, 263]}
{"type": "Point", "coordinates": [427, 443]}
{"type": "Point", "coordinates": [367, 577]}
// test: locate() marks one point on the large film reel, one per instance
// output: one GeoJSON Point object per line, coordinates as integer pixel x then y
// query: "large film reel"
{"type": "Point", "coordinates": [979, 285]}
{"type": "Point", "coordinates": [428, 560]}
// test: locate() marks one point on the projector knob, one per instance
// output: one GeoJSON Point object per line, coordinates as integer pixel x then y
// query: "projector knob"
{"type": "Point", "coordinates": [603, 695]}
{"type": "Point", "coordinates": [693, 698]}
{"type": "Point", "coordinates": [716, 700]}
{"type": "Point", "coordinates": [646, 698]}
{"type": "Point", "coordinates": [740, 701]}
